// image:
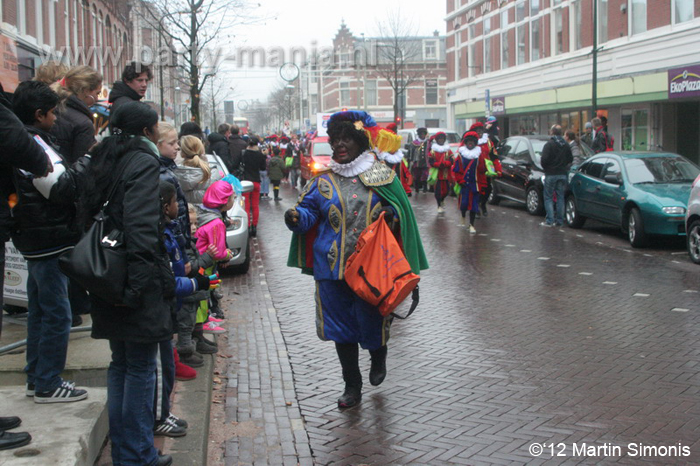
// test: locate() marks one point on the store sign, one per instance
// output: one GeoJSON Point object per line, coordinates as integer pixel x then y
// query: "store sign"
{"type": "Point", "coordinates": [684, 82]}
{"type": "Point", "coordinates": [9, 74]}
{"type": "Point", "coordinates": [498, 105]}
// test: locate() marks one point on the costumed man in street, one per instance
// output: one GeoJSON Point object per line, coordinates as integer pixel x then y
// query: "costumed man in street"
{"type": "Point", "coordinates": [331, 213]}
{"type": "Point", "coordinates": [440, 161]}
{"type": "Point", "coordinates": [493, 164]}
{"type": "Point", "coordinates": [470, 176]}
{"type": "Point", "coordinates": [418, 153]}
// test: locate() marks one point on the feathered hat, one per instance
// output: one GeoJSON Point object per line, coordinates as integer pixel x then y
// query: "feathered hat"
{"type": "Point", "coordinates": [476, 125]}
{"type": "Point", "coordinates": [379, 138]}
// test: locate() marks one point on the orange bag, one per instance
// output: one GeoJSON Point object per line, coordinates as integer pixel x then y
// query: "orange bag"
{"type": "Point", "coordinates": [378, 271]}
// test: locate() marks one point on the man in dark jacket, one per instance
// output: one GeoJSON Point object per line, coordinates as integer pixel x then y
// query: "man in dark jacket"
{"type": "Point", "coordinates": [556, 160]}
{"type": "Point", "coordinates": [132, 87]}
{"type": "Point", "coordinates": [218, 143]}
{"type": "Point", "coordinates": [236, 146]}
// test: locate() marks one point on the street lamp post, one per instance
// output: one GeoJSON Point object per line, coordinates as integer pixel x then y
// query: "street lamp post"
{"type": "Point", "coordinates": [594, 81]}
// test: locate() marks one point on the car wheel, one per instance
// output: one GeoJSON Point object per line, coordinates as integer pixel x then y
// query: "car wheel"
{"type": "Point", "coordinates": [694, 241]}
{"type": "Point", "coordinates": [533, 201]}
{"type": "Point", "coordinates": [635, 229]}
{"type": "Point", "coordinates": [494, 198]}
{"type": "Point", "coordinates": [573, 219]}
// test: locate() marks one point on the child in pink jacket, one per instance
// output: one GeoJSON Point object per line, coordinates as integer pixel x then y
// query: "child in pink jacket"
{"type": "Point", "coordinates": [212, 229]}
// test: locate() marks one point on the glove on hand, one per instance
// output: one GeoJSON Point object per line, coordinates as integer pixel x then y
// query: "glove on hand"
{"type": "Point", "coordinates": [202, 282]}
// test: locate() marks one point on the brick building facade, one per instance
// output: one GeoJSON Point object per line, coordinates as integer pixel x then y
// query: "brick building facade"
{"type": "Point", "coordinates": [531, 62]}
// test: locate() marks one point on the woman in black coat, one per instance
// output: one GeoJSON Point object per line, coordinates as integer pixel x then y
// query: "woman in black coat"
{"type": "Point", "coordinates": [135, 327]}
{"type": "Point", "coordinates": [74, 129]}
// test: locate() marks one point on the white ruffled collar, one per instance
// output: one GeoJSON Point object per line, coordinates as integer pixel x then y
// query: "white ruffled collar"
{"type": "Point", "coordinates": [440, 148]}
{"type": "Point", "coordinates": [387, 157]}
{"type": "Point", "coordinates": [360, 165]}
{"type": "Point", "coordinates": [470, 154]}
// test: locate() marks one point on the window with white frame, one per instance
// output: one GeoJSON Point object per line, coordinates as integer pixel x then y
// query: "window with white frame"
{"type": "Point", "coordinates": [505, 52]}
{"type": "Point", "coordinates": [638, 16]}
{"type": "Point", "coordinates": [431, 92]}
{"type": "Point", "coordinates": [534, 7]}
{"type": "Point", "coordinates": [370, 92]}
{"type": "Point", "coordinates": [344, 94]}
{"type": "Point", "coordinates": [520, 11]}
{"type": "Point", "coordinates": [602, 21]}
{"type": "Point", "coordinates": [576, 42]}
{"type": "Point", "coordinates": [471, 65]}
{"type": "Point", "coordinates": [521, 32]}
{"type": "Point", "coordinates": [487, 54]}
{"type": "Point", "coordinates": [535, 39]}
{"type": "Point", "coordinates": [558, 47]}
{"type": "Point", "coordinates": [682, 11]}
{"type": "Point", "coordinates": [458, 53]}
{"type": "Point", "coordinates": [504, 19]}
{"type": "Point", "coordinates": [430, 50]}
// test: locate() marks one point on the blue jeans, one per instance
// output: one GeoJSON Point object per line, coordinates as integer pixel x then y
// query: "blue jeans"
{"type": "Point", "coordinates": [165, 379]}
{"type": "Point", "coordinates": [554, 184]}
{"type": "Point", "coordinates": [264, 183]}
{"type": "Point", "coordinates": [48, 324]}
{"type": "Point", "coordinates": [130, 386]}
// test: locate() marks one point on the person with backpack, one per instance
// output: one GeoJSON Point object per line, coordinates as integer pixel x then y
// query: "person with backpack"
{"type": "Point", "coordinates": [602, 141]}
{"type": "Point", "coordinates": [331, 213]}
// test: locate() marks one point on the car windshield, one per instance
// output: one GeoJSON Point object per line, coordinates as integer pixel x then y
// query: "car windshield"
{"type": "Point", "coordinates": [322, 148]}
{"type": "Point", "coordinates": [661, 170]}
{"type": "Point", "coordinates": [452, 137]}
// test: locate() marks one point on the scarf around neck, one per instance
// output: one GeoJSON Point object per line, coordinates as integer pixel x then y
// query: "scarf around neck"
{"type": "Point", "coordinates": [470, 154]}
{"type": "Point", "coordinates": [361, 164]}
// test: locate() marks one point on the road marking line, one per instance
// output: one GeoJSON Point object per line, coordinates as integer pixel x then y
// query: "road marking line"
{"type": "Point", "coordinates": [543, 258]}
{"type": "Point", "coordinates": [679, 309]}
{"type": "Point", "coordinates": [585, 273]}
{"type": "Point", "coordinates": [563, 265]}
{"type": "Point", "coordinates": [526, 250]}
{"type": "Point", "coordinates": [641, 295]}
{"type": "Point", "coordinates": [609, 283]}
{"type": "Point", "coordinates": [510, 245]}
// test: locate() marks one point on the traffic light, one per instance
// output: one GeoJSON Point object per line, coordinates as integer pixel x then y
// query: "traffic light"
{"type": "Point", "coordinates": [398, 120]}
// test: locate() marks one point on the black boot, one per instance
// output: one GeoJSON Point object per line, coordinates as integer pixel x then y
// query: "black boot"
{"type": "Point", "coordinates": [377, 372]}
{"type": "Point", "coordinates": [348, 355]}
{"type": "Point", "coordinates": [253, 231]}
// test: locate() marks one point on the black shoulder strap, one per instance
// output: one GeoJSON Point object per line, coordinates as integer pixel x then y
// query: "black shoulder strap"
{"type": "Point", "coordinates": [415, 297]}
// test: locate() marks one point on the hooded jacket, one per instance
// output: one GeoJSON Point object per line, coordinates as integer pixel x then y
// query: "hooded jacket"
{"type": "Point", "coordinates": [121, 94]}
{"type": "Point", "coordinates": [219, 145]}
{"type": "Point", "coordinates": [190, 179]}
{"type": "Point", "coordinates": [212, 230]}
{"type": "Point", "coordinates": [556, 156]}
{"type": "Point", "coordinates": [74, 130]}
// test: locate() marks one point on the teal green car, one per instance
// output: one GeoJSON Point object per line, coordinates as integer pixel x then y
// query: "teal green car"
{"type": "Point", "coordinates": [645, 193]}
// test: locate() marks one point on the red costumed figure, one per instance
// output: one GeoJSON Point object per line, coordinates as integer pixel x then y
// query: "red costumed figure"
{"type": "Point", "coordinates": [440, 160]}
{"type": "Point", "coordinates": [470, 174]}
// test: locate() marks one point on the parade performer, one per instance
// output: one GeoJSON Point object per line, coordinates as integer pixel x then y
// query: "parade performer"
{"type": "Point", "coordinates": [470, 175]}
{"type": "Point", "coordinates": [487, 141]}
{"type": "Point", "coordinates": [441, 159]}
{"type": "Point", "coordinates": [418, 156]}
{"type": "Point", "coordinates": [332, 211]}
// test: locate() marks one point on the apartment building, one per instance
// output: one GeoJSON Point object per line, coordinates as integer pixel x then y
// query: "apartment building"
{"type": "Point", "coordinates": [530, 63]}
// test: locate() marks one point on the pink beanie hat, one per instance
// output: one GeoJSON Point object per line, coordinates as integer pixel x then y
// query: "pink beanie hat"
{"type": "Point", "coordinates": [217, 194]}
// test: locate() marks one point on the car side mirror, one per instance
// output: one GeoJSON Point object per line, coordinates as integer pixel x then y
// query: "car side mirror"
{"type": "Point", "coordinates": [612, 179]}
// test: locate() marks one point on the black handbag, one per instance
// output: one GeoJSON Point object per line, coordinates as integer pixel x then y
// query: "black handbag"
{"type": "Point", "coordinates": [98, 261]}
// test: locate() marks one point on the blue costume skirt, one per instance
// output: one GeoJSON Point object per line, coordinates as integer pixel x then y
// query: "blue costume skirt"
{"type": "Point", "coordinates": [343, 317]}
{"type": "Point", "coordinates": [468, 199]}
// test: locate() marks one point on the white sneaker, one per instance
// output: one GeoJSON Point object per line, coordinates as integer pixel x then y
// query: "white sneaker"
{"type": "Point", "coordinates": [463, 222]}
{"type": "Point", "coordinates": [472, 229]}
{"type": "Point", "coordinates": [441, 210]}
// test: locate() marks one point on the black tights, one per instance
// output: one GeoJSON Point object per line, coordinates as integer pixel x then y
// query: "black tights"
{"type": "Point", "coordinates": [472, 216]}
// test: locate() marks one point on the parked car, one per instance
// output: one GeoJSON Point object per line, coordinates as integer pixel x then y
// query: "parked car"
{"type": "Point", "coordinates": [645, 193]}
{"type": "Point", "coordinates": [316, 158]}
{"type": "Point", "coordinates": [237, 231]}
{"type": "Point", "coordinates": [692, 222]}
{"type": "Point", "coordinates": [523, 178]}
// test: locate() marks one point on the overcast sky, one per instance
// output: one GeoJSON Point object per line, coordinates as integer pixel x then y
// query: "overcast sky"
{"type": "Point", "coordinates": [300, 23]}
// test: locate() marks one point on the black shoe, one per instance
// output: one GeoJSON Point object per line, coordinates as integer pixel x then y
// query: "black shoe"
{"type": "Point", "coordinates": [77, 321]}
{"type": "Point", "coordinates": [179, 422]}
{"type": "Point", "coordinates": [168, 428]}
{"type": "Point", "coordinates": [254, 230]}
{"type": "Point", "coordinates": [351, 397]}
{"type": "Point", "coordinates": [409, 194]}
{"type": "Point", "coordinates": [64, 393]}
{"type": "Point", "coordinates": [192, 359]}
{"type": "Point", "coordinates": [7, 423]}
{"type": "Point", "coordinates": [377, 372]}
{"type": "Point", "coordinates": [9, 440]}
{"type": "Point", "coordinates": [205, 346]}
{"type": "Point", "coordinates": [164, 460]}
